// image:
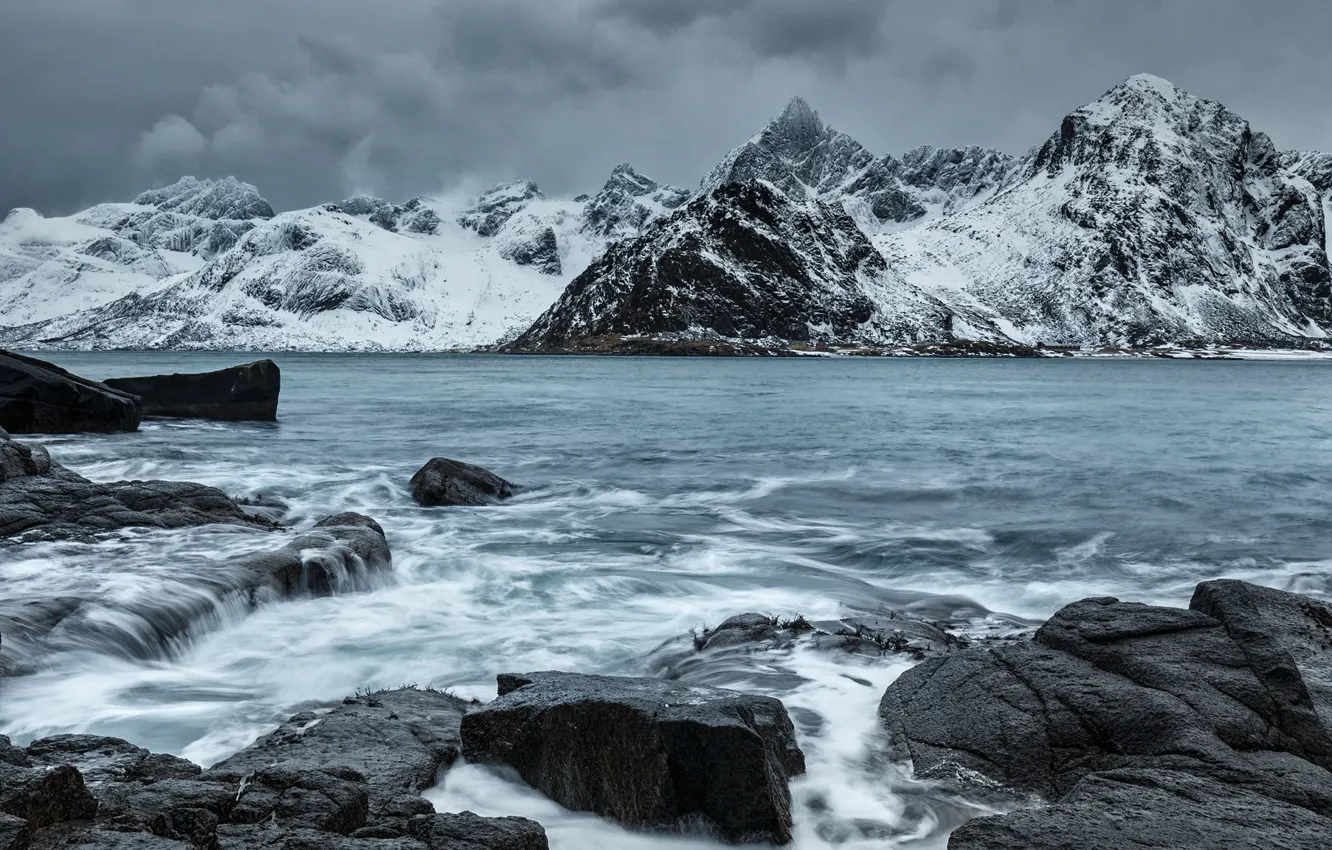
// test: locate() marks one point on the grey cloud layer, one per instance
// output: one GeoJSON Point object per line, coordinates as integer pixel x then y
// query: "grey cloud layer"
{"type": "Point", "coordinates": [314, 99]}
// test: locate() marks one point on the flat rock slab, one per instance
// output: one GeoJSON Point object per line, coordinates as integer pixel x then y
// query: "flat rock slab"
{"type": "Point", "coordinates": [37, 397]}
{"type": "Point", "coordinates": [40, 499]}
{"type": "Point", "coordinates": [648, 753]}
{"type": "Point", "coordinates": [246, 392]}
{"type": "Point", "coordinates": [443, 482]}
{"type": "Point", "coordinates": [1116, 707]}
{"type": "Point", "coordinates": [345, 779]}
{"type": "Point", "coordinates": [398, 740]}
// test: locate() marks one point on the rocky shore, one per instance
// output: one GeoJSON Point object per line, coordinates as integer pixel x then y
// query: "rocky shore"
{"type": "Point", "coordinates": [1112, 725]}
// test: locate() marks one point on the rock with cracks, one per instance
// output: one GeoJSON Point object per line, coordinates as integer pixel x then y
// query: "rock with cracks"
{"type": "Point", "coordinates": [1208, 720]}
{"type": "Point", "coordinates": [40, 499]}
{"type": "Point", "coordinates": [247, 392]}
{"type": "Point", "coordinates": [651, 754]}
{"type": "Point", "coordinates": [443, 482]}
{"type": "Point", "coordinates": [351, 785]}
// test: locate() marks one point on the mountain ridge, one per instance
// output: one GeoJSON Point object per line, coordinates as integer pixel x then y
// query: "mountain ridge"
{"type": "Point", "coordinates": [1149, 216]}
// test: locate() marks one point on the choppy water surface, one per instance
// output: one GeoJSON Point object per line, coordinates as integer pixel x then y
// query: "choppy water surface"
{"type": "Point", "coordinates": [663, 495]}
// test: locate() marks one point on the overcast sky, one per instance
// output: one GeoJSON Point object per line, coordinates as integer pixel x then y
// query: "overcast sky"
{"type": "Point", "coordinates": [313, 100]}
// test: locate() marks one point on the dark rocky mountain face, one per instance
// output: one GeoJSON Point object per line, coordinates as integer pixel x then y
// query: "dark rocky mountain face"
{"type": "Point", "coordinates": [743, 260]}
{"type": "Point", "coordinates": [800, 155]}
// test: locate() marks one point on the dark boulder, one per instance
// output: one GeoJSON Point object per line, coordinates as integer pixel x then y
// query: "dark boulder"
{"type": "Point", "coordinates": [247, 392]}
{"type": "Point", "coordinates": [648, 753]}
{"type": "Point", "coordinates": [1117, 707]}
{"type": "Point", "coordinates": [40, 499]}
{"type": "Point", "coordinates": [398, 740]}
{"type": "Point", "coordinates": [37, 397]}
{"type": "Point", "coordinates": [443, 482]}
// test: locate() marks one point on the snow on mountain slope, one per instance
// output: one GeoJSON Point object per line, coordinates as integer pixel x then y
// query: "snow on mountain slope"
{"type": "Point", "coordinates": [747, 260]}
{"type": "Point", "coordinates": [51, 267]}
{"type": "Point", "coordinates": [801, 155]}
{"type": "Point", "coordinates": [364, 274]}
{"type": "Point", "coordinates": [1149, 216]}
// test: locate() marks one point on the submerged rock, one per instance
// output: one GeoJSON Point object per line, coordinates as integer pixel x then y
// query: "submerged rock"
{"type": "Point", "coordinates": [247, 392]}
{"type": "Point", "coordinates": [1182, 717]}
{"type": "Point", "coordinates": [345, 553]}
{"type": "Point", "coordinates": [443, 482]}
{"type": "Point", "coordinates": [341, 779]}
{"type": "Point", "coordinates": [648, 753]}
{"type": "Point", "coordinates": [37, 397]}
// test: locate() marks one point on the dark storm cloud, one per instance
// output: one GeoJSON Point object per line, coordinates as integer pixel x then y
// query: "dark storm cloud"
{"type": "Point", "coordinates": [314, 99]}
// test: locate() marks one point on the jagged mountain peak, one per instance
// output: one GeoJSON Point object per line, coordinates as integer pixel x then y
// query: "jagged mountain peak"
{"type": "Point", "coordinates": [497, 205]}
{"type": "Point", "coordinates": [224, 199]}
{"type": "Point", "coordinates": [626, 202]}
{"type": "Point", "coordinates": [624, 178]}
{"type": "Point", "coordinates": [798, 129]}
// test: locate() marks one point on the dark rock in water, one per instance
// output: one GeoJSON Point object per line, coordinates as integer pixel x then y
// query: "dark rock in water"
{"type": "Point", "coordinates": [37, 397]}
{"type": "Point", "coordinates": [649, 753]}
{"type": "Point", "coordinates": [341, 554]}
{"type": "Point", "coordinates": [346, 779]}
{"type": "Point", "coordinates": [443, 482]}
{"type": "Point", "coordinates": [41, 499]}
{"type": "Point", "coordinates": [264, 506]}
{"type": "Point", "coordinates": [1159, 711]}
{"type": "Point", "coordinates": [467, 831]}
{"type": "Point", "coordinates": [1118, 809]}
{"type": "Point", "coordinates": [248, 392]}
{"type": "Point", "coordinates": [398, 740]}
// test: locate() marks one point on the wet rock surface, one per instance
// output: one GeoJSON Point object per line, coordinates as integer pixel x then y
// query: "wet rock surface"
{"type": "Point", "coordinates": [1186, 718]}
{"type": "Point", "coordinates": [443, 482]}
{"type": "Point", "coordinates": [648, 753]}
{"type": "Point", "coordinates": [351, 784]}
{"type": "Point", "coordinates": [40, 499]}
{"type": "Point", "coordinates": [37, 397]}
{"type": "Point", "coordinates": [246, 392]}
{"type": "Point", "coordinates": [398, 740]}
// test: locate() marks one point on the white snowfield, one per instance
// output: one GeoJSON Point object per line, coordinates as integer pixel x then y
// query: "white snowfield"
{"type": "Point", "coordinates": [1148, 217]}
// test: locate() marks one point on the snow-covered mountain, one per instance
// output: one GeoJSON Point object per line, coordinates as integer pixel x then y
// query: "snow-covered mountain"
{"type": "Point", "coordinates": [359, 274]}
{"type": "Point", "coordinates": [800, 155]}
{"type": "Point", "coordinates": [1149, 216]}
{"type": "Point", "coordinates": [747, 260]}
{"type": "Point", "coordinates": [56, 266]}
